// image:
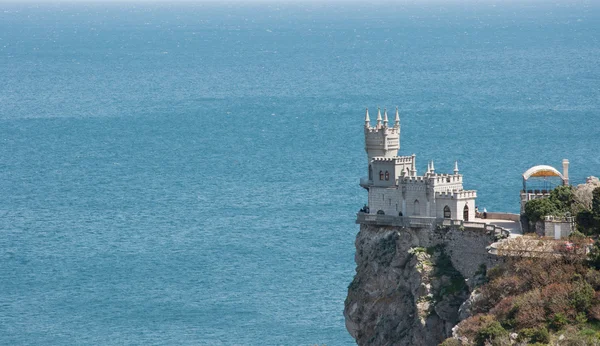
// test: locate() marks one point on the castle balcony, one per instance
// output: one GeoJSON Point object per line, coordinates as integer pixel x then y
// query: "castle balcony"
{"type": "Point", "coordinates": [365, 182]}
{"type": "Point", "coordinates": [390, 220]}
{"type": "Point", "coordinates": [431, 222]}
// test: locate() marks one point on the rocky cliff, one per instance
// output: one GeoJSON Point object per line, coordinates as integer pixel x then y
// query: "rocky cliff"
{"type": "Point", "coordinates": [410, 283]}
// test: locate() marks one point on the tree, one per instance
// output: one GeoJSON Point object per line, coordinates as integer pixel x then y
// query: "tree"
{"type": "Point", "coordinates": [596, 205]}
{"type": "Point", "coordinates": [596, 201]}
{"type": "Point", "coordinates": [563, 197]}
{"type": "Point", "coordinates": [538, 208]}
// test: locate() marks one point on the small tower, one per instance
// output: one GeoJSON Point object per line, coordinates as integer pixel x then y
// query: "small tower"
{"type": "Point", "coordinates": [455, 167]}
{"type": "Point", "coordinates": [397, 120]}
{"type": "Point", "coordinates": [381, 140]}
{"type": "Point", "coordinates": [385, 118]}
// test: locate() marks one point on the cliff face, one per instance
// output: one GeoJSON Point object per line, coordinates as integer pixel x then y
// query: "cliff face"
{"type": "Point", "coordinates": [410, 283]}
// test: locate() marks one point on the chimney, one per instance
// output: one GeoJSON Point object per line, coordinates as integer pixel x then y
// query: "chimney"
{"type": "Point", "coordinates": [565, 172]}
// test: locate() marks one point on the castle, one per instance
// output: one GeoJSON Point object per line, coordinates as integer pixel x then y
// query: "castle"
{"type": "Point", "coordinates": [396, 189]}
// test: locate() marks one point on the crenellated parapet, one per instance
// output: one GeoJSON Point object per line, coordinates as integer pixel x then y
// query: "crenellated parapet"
{"type": "Point", "coordinates": [395, 159]}
{"type": "Point", "coordinates": [456, 194]}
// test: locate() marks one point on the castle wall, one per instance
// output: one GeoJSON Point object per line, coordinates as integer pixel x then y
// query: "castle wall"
{"type": "Point", "coordinates": [387, 199]}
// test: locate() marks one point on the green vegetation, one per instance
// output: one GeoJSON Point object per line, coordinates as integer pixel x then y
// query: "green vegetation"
{"type": "Point", "coordinates": [540, 299]}
{"type": "Point", "coordinates": [563, 202]}
{"type": "Point", "coordinates": [559, 203]}
{"type": "Point", "coordinates": [443, 268]}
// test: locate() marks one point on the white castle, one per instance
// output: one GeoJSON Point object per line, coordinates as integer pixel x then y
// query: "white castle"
{"type": "Point", "coordinates": [396, 189]}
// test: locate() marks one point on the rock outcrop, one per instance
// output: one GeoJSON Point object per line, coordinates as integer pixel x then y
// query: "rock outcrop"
{"type": "Point", "coordinates": [410, 283]}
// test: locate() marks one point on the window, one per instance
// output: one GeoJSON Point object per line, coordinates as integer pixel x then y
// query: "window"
{"type": "Point", "coordinates": [466, 213]}
{"type": "Point", "coordinates": [370, 172]}
{"type": "Point", "coordinates": [416, 209]}
{"type": "Point", "coordinates": [380, 175]}
{"type": "Point", "coordinates": [380, 212]}
{"type": "Point", "coordinates": [447, 213]}
{"type": "Point", "coordinates": [387, 175]}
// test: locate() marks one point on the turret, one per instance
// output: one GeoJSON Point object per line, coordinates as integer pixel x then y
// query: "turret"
{"type": "Point", "coordinates": [385, 118]}
{"type": "Point", "coordinates": [455, 167]}
{"type": "Point", "coordinates": [397, 121]}
{"type": "Point", "coordinates": [378, 118]}
{"type": "Point", "coordinates": [367, 120]}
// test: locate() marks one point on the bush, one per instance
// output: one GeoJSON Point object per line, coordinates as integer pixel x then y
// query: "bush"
{"type": "Point", "coordinates": [594, 255]}
{"type": "Point", "coordinates": [593, 278]}
{"type": "Point", "coordinates": [536, 209]}
{"type": "Point", "coordinates": [581, 296]}
{"type": "Point", "coordinates": [472, 325]}
{"type": "Point", "coordinates": [451, 342]}
{"type": "Point", "coordinates": [558, 321]}
{"type": "Point", "coordinates": [585, 222]}
{"type": "Point", "coordinates": [534, 335]}
{"type": "Point", "coordinates": [491, 332]}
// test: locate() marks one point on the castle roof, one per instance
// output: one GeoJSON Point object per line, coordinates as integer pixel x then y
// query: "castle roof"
{"type": "Point", "coordinates": [542, 171]}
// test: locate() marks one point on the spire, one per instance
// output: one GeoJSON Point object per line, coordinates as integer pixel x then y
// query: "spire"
{"type": "Point", "coordinates": [378, 117]}
{"type": "Point", "coordinates": [385, 118]}
{"type": "Point", "coordinates": [397, 123]}
{"type": "Point", "coordinates": [455, 167]}
{"type": "Point", "coordinates": [367, 120]}
{"type": "Point", "coordinates": [432, 168]}
{"type": "Point", "coordinates": [428, 167]}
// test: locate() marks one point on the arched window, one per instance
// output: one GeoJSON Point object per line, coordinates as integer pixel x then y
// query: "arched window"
{"type": "Point", "coordinates": [466, 213]}
{"type": "Point", "coordinates": [447, 213]}
{"type": "Point", "coordinates": [370, 172]}
{"type": "Point", "coordinates": [380, 212]}
{"type": "Point", "coordinates": [380, 175]}
{"type": "Point", "coordinates": [400, 214]}
{"type": "Point", "coordinates": [416, 208]}
{"type": "Point", "coordinates": [387, 175]}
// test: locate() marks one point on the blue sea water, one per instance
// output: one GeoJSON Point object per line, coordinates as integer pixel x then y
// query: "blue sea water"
{"type": "Point", "coordinates": [187, 173]}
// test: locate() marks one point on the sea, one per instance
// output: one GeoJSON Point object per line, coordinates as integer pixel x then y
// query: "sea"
{"type": "Point", "coordinates": [186, 173]}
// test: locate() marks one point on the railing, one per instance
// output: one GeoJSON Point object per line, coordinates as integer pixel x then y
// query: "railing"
{"type": "Point", "coordinates": [422, 221]}
{"type": "Point", "coordinates": [552, 218]}
{"type": "Point", "coordinates": [502, 216]}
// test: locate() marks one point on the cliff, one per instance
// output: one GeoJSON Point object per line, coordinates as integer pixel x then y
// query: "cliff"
{"type": "Point", "coordinates": [411, 282]}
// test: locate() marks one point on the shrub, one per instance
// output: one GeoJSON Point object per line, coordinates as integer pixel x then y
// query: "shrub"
{"type": "Point", "coordinates": [472, 325]}
{"type": "Point", "coordinates": [581, 296]}
{"type": "Point", "coordinates": [531, 310]}
{"type": "Point", "coordinates": [581, 318]}
{"type": "Point", "coordinates": [534, 335]}
{"type": "Point", "coordinates": [558, 321]}
{"type": "Point", "coordinates": [585, 222]}
{"type": "Point", "coordinates": [594, 312]}
{"type": "Point", "coordinates": [538, 208]}
{"type": "Point", "coordinates": [592, 276]}
{"type": "Point", "coordinates": [491, 332]}
{"type": "Point", "coordinates": [505, 312]}
{"type": "Point", "coordinates": [451, 342]}
{"type": "Point", "coordinates": [557, 298]}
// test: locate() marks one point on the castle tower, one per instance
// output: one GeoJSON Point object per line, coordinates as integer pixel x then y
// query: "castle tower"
{"type": "Point", "coordinates": [381, 140]}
